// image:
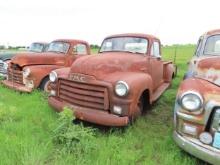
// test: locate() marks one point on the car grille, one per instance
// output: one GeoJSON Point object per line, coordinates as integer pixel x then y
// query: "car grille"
{"type": "Point", "coordinates": [15, 74]}
{"type": "Point", "coordinates": [84, 95]}
{"type": "Point", "coordinates": [215, 123]}
{"type": "Point", "coordinates": [2, 70]}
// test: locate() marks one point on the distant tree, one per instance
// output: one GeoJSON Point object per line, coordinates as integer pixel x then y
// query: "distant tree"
{"type": "Point", "coordinates": [94, 46]}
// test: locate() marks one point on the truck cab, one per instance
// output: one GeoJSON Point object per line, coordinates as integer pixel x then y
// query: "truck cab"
{"type": "Point", "coordinates": [28, 71]}
{"type": "Point", "coordinates": [113, 87]}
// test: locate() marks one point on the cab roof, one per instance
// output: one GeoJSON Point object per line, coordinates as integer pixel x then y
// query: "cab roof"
{"type": "Point", "coordinates": [212, 32]}
{"type": "Point", "coordinates": [148, 36]}
{"type": "Point", "coordinates": [39, 42]}
{"type": "Point", "coordinates": [71, 41]}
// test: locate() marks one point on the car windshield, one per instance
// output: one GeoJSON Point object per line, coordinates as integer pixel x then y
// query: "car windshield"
{"type": "Point", "coordinates": [57, 46]}
{"type": "Point", "coordinates": [212, 46]}
{"type": "Point", "coordinates": [125, 44]}
{"type": "Point", "coordinates": [36, 47]}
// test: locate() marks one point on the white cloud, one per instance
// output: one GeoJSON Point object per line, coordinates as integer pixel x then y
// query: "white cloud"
{"type": "Point", "coordinates": [174, 21]}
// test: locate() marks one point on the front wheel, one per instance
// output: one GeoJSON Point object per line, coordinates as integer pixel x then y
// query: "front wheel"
{"type": "Point", "coordinates": [139, 110]}
{"type": "Point", "coordinates": [140, 106]}
{"type": "Point", "coordinates": [45, 84]}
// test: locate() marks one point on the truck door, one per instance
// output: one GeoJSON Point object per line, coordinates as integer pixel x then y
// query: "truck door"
{"type": "Point", "coordinates": [156, 65]}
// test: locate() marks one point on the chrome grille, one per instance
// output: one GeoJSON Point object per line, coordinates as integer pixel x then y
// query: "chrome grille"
{"type": "Point", "coordinates": [2, 70]}
{"type": "Point", "coordinates": [215, 124]}
{"type": "Point", "coordinates": [15, 74]}
{"type": "Point", "coordinates": [83, 95]}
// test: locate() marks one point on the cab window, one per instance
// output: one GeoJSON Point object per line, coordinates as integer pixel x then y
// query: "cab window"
{"type": "Point", "coordinates": [212, 46]}
{"type": "Point", "coordinates": [80, 49]}
{"type": "Point", "coordinates": [155, 49]}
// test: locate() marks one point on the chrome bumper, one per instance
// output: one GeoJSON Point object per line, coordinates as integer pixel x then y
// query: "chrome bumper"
{"type": "Point", "coordinates": [90, 115]}
{"type": "Point", "coordinates": [210, 155]}
{"type": "Point", "coordinates": [15, 86]}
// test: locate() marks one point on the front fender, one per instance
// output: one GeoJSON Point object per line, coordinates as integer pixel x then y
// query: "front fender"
{"type": "Point", "coordinates": [137, 82]}
{"type": "Point", "coordinates": [62, 72]}
{"type": "Point", "coordinates": [39, 72]}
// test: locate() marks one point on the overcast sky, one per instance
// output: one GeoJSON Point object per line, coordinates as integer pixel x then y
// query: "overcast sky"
{"type": "Point", "coordinates": [173, 21]}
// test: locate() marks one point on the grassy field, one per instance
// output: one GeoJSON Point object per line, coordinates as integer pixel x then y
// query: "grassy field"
{"type": "Point", "coordinates": [31, 133]}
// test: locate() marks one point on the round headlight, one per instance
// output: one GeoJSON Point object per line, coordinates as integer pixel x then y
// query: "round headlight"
{"type": "Point", "coordinates": [121, 88]}
{"type": "Point", "coordinates": [53, 76]}
{"type": "Point", "coordinates": [26, 72]}
{"type": "Point", "coordinates": [191, 101]}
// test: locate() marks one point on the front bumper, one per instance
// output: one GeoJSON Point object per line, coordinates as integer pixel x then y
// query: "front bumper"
{"type": "Point", "coordinates": [203, 152]}
{"type": "Point", "coordinates": [90, 115]}
{"type": "Point", "coordinates": [16, 86]}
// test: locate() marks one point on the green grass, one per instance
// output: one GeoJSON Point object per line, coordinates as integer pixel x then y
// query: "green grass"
{"type": "Point", "coordinates": [29, 130]}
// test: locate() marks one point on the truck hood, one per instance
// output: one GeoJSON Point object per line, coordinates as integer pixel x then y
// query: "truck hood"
{"type": "Point", "coordinates": [47, 58]}
{"type": "Point", "coordinates": [102, 64]}
{"type": "Point", "coordinates": [208, 68]}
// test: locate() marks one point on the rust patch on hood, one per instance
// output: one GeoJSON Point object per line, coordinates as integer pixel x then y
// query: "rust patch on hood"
{"type": "Point", "coordinates": [209, 69]}
{"type": "Point", "coordinates": [213, 62]}
{"type": "Point", "coordinates": [107, 63]}
{"type": "Point", "coordinates": [39, 58]}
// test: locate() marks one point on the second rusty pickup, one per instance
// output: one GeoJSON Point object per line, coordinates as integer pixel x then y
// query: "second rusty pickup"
{"type": "Point", "coordinates": [28, 71]}
{"type": "Point", "coordinates": [113, 87]}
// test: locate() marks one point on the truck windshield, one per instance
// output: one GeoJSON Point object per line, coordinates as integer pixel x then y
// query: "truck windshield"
{"type": "Point", "coordinates": [60, 47]}
{"type": "Point", "coordinates": [125, 44]}
{"type": "Point", "coordinates": [212, 46]}
{"type": "Point", "coordinates": [36, 47]}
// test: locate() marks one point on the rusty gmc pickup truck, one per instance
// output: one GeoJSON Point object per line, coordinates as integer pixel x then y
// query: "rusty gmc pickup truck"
{"type": "Point", "coordinates": [31, 70]}
{"type": "Point", "coordinates": [114, 87]}
{"type": "Point", "coordinates": [5, 57]}
{"type": "Point", "coordinates": [197, 107]}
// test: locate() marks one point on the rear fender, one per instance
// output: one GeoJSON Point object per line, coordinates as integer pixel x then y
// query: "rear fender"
{"type": "Point", "coordinates": [169, 72]}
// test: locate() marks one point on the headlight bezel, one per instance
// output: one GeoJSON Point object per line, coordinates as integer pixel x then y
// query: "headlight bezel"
{"type": "Point", "coordinates": [194, 94]}
{"type": "Point", "coordinates": [53, 73]}
{"type": "Point", "coordinates": [26, 72]}
{"type": "Point", "coordinates": [124, 84]}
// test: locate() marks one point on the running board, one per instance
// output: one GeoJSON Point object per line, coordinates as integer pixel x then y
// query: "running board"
{"type": "Point", "coordinates": [160, 90]}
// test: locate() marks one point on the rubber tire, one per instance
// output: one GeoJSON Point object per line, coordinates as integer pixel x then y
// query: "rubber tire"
{"type": "Point", "coordinates": [140, 104]}
{"type": "Point", "coordinates": [43, 83]}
